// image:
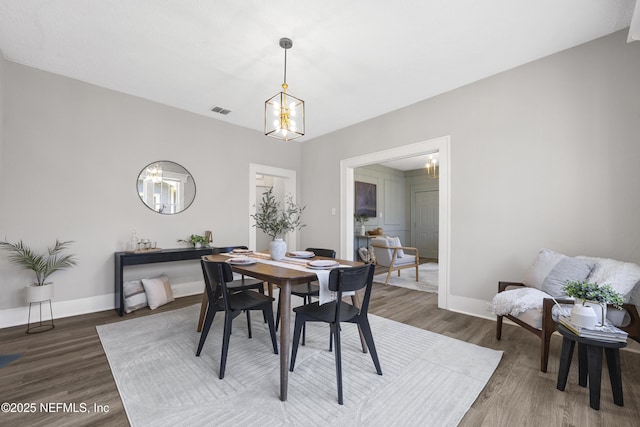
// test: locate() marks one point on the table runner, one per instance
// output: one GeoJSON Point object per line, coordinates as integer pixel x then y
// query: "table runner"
{"type": "Point", "coordinates": [299, 264]}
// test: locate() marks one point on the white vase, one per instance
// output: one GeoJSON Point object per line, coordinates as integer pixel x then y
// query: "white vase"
{"type": "Point", "coordinates": [277, 249]}
{"type": "Point", "coordinates": [600, 310]}
{"type": "Point", "coordinates": [363, 231]}
{"type": "Point", "coordinates": [583, 315]}
{"type": "Point", "coordinates": [39, 293]}
{"type": "Point", "coordinates": [198, 245]}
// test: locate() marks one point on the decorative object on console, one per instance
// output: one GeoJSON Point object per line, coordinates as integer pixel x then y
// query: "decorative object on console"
{"type": "Point", "coordinates": [361, 219]}
{"type": "Point", "coordinates": [196, 240]}
{"type": "Point", "coordinates": [276, 222]}
{"type": "Point", "coordinates": [283, 112]}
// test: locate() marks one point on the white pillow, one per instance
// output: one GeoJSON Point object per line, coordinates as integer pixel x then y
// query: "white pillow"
{"type": "Point", "coordinates": [158, 290]}
{"type": "Point", "coordinates": [622, 276]}
{"type": "Point", "coordinates": [134, 296]}
{"type": "Point", "coordinates": [395, 241]}
{"type": "Point", "coordinates": [516, 301]}
{"type": "Point", "coordinates": [551, 270]}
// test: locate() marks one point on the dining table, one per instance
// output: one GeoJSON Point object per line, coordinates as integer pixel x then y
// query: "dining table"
{"type": "Point", "coordinates": [284, 274]}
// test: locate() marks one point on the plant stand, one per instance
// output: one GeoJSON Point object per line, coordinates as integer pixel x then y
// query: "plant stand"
{"type": "Point", "coordinates": [40, 326]}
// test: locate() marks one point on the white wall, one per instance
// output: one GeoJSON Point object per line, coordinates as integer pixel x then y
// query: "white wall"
{"type": "Point", "coordinates": [543, 155]}
{"type": "Point", "coordinates": [71, 156]}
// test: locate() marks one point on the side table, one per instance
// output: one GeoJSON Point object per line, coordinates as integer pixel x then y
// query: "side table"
{"type": "Point", "coordinates": [590, 363]}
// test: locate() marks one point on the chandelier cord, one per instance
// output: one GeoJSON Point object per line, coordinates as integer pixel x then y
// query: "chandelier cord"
{"type": "Point", "coordinates": [285, 66]}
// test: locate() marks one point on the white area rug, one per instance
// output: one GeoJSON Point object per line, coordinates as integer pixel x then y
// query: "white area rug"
{"type": "Point", "coordinates": [427, 275]}
{"type": "Point", "coordinates": [428, 379]}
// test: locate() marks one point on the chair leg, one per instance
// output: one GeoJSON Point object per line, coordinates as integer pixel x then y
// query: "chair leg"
{"type": "Point", "coordinates": [249, 322]}
{"type": "Point", "coordinates": [225, 345]}
{"type": "Point", "coordinates": [544, 349]}
{"type": "Point", "coordinates": [296, 341]}
{"type": "Point", "coordinates": [203, 310]}
{"type": "Point", "coordinates": [417, 265]}
{"type": "Point", "coordinates": [499, 327]}
{"type": "Point", "coordinates": [267, 313]}
{"type": "Point", "coordinates": [205, 330]}
{"type": "Point", "coordinates": [304, 327]}
{"type": "Point", "coordinates": [368, 337]}
{"type": "Point", "coordinates": [278, 313]}
{"type": "Point", "coordinates": [338, 356]}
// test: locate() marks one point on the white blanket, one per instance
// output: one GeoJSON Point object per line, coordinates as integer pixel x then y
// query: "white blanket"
{"type": "Point", "coordinates": [516, 301]}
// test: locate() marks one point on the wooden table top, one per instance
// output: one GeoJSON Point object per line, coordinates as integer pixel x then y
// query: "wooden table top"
{"type": "Point", "coordinates": [275, 273]}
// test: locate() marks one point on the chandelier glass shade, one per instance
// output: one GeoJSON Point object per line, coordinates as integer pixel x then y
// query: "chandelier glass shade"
{"type": "Point", "coordinates": [283, 112]}
{"type": "Point", "coordinates": [432, 167]}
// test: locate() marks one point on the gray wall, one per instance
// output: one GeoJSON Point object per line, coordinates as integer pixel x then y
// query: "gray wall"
{"type": "Point", "coordinates": [543, 155]}
{"type": "Point", "coordinates": [71, 156]}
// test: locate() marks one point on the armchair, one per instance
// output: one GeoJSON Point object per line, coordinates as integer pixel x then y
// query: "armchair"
{"type": "Point", "coordinates": [390, 253]}
{"type": "Point", "coordinates": [531, 304]}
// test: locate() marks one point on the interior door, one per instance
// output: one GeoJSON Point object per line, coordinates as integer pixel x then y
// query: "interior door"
{"type": "Point", "coordinates": [425, 227]}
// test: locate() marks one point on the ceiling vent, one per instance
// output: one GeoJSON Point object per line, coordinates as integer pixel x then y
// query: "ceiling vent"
{"type": "Point", "coordinates": [220, 110]}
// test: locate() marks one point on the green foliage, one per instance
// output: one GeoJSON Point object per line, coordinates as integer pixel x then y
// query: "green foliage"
{"type": "Point", "coordinates": [275, 222]}
{"type": "Point", "coordinates": [362, 218]}
{"type": "Point", "coordinates": [594, 292]}
{"type": "Point", "coordinates": [42, 265]}
{"type": "Point", "coordinates": [195, 238]}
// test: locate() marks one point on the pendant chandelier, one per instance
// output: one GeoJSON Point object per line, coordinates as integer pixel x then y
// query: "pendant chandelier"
{"type": "Point", "coordinates": [284, 113]}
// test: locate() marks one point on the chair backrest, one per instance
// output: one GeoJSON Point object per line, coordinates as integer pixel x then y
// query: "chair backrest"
{"type": "Point", "coordinates": [328, 253]}
{"type": "Point", "coordinates": [383, 255]}
{"type": "Point", "coordinates": [227, 249]}
{"type": "Point", "coordinates": [346, 279]}
{"type": "Point", "coordinates": [216, 275]}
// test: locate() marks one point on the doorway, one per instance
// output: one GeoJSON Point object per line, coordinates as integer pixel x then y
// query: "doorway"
{"type": "Point", "coordinates": [284, 182]}
{"type": "Point", "coordinates": [347, 166]}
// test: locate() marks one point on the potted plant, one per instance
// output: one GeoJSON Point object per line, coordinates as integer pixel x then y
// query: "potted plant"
{"type": "Point", "coordinates": [196, 240]}
{"type": "Point", "coordinates": [42, 265]}
{"type": "Point", "coordinates": [276, 222]}
{"type": "Point", "coordinates": [361, 219]}
{"type": "Point", "coordinates": [595, 296]}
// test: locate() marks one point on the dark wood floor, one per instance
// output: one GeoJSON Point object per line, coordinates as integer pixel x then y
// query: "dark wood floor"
{"type": "Point", "coordinates": [67, 366]}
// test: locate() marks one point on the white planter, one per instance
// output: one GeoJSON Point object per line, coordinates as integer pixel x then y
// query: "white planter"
{"type": "Point", "coordinates": [583, 315]}
{"type": "Point", "coordinates": [363, 231]}
{"type": "Point", "coordinates": [277, 249]}
{"type": "Point", "coordinates": [39, 293]}
{"type": "Point", "coordinates": [600, 310]}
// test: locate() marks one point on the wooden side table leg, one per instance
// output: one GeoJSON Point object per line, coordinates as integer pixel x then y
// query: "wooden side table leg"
{"type": "Point", "coordinates": [594, 360]}
{"type": "Point", "coordinates": [613, 363]}
{"type": "Point", "coordinates": [565, 362]}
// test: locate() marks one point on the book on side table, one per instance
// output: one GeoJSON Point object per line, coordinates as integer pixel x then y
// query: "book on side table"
{"type": "Point", "coordinates": [607, 333]}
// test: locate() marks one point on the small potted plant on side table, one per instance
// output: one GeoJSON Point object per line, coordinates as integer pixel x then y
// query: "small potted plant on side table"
{"type": "Point", "coordinates": [592, 296]}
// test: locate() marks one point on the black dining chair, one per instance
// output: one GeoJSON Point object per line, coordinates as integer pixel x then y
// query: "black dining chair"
{"type": "Point", "coordinates": [307, 290]}
{"type": "Point", "coordinates": [236, 285]}
{"type": "Point", "coordinates": [218, 275]}
{"type": "Point", "coordinates": [342, 279]}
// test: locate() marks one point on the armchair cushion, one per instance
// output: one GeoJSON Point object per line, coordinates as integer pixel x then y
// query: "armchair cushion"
{"type": "Point", "coordinates": [519, 300]}
{"type": "Point", "coordinates": [395, 241]}
{"type": "Point", "coordinates": [551, 270]}
{"type": "Point", "coordinates": [621, 276]}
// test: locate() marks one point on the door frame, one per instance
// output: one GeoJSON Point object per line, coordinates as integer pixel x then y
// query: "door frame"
{"type": "Point", "coordinates": [290, 187]}
{"type": "Point", "coordinates": [441, 145]}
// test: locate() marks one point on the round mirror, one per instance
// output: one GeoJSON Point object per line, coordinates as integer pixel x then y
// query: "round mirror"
{"type": "Point", "coordinates": [166, 187]}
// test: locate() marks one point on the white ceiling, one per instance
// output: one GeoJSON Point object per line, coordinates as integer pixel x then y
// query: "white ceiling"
{"type": "Point", "coordinates": [350, 61]}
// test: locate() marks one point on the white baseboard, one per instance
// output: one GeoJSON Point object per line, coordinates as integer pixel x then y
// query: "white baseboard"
{"type": "Point", "coordinates": [470, 306]}
{"type": "Point", "coordinates": [20, 315]}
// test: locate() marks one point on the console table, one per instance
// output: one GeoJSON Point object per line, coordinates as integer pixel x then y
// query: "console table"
{"type": "Point", "coordinates": [123, 259]}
